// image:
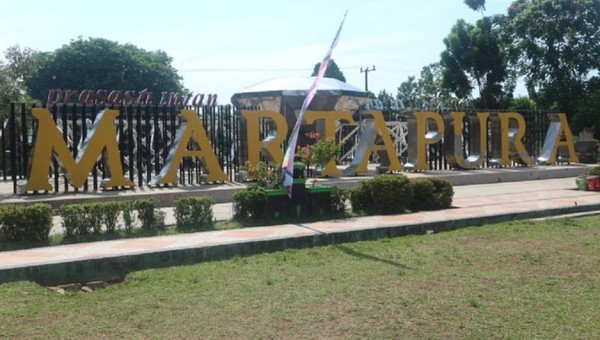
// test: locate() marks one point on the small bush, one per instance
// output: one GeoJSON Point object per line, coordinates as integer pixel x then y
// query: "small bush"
{"type": "Point", "coordinates": [194, 212]}
{"type": "Point", "coordinates": [385, 194]}
{"type": "Point", "coordinates": [94, 217]}
{"type": "Point", "coordinates": [423, 190]}
{"type": "Point", "coordinates": [431, 194]}
{"type": "Point", "coordinates": [81, 219]}
{"type": "Point", "coordinates": [145, 213]}
{"type": "Point", "coordinates": [443, 193]}
{"type": "Point", "coordinates": [339, 197]}
{"type": "Point", "coordinates": [250, 202]}
{"type": "Point", "coordinates": [110, 215]}
{"type": "Point", "coordinates": [73, 216]}
{"type": "Point", "coordinates": [32, 223]}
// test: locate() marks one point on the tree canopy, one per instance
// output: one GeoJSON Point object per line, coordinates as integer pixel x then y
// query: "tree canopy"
{"type": "Point", "coordinates": [332, 71]}
{"type": "Point", "coordinates": [557, 47]}
{"type": "Point", "coordinates": [98, 63]}
{"type": "Point", "coordinates": [21, 65]}
{"type": "Point", "coordinates": [474, 55]}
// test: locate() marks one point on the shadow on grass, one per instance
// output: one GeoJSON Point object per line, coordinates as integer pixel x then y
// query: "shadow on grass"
{"type": "Point", "coordinates": [358, 254]}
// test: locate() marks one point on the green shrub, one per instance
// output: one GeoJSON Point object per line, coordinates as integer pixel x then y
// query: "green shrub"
{"type": "Point", "coordinates": [443, 193]}
{"type": "Point", "coordinates": [431, 194]}
{"type": "Point", "coordinates": [94, 217]}
{"type": "Point", "coordinates": [128, 215]}
{"type": "Point", "coordinates": [339, 197]}
{"type": "Point", "coordinates": [423, 190]}
{"type": "Point", "coordinates": [31, 223]}
{"type": "Point", "coordinates": [146, 213]}
{"type": "Point", "coordinates": [385, 194]}
{"type": "Point", "coordinates": [73, 216]}
{"type": "Point", "coordinates": [250, 202]}
{"type": "Point", "coordinates": [194, 212]}
{"type": "Point", "coordinates": [110, 215]}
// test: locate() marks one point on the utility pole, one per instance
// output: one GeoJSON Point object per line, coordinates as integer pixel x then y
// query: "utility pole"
{"type": "Point", "coordinates": [366, 72]}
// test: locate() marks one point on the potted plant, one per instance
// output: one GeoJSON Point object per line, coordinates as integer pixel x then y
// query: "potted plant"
{"type": "Point", "coordinates": [321, 152]}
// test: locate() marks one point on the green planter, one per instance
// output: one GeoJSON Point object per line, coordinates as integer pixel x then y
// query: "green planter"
{"type": "Point", "coordinates": [277, 203]}
{"type": "Point", "coordinates": [319, 200]}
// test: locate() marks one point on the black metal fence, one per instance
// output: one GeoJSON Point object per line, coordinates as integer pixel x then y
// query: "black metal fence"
{"type": "Point", "coordinates": [146, 133]}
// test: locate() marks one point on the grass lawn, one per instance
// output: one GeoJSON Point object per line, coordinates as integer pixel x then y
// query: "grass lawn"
{"type": "Point", "coordinates": [511, 280]}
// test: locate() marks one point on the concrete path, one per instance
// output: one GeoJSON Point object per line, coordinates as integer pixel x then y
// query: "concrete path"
{"type": "Point", "coordinates": [473, 205]}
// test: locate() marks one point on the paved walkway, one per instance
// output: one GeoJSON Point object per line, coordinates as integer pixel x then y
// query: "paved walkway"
{"type": "Point", "coordinates": [473, 205]}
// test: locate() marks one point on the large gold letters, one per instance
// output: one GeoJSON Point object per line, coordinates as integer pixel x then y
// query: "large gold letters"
{"type": "Point", "coordinates": [190, 129]}
{"type": "Point", "coordinates": [271, 144]}
{"type": "Point", "coordinates": [559, 134]}
{"type": "Point", "coordinates": [49, 141]}
{"type": "Point", "coordinates": [388, 145]}
{"type": "Point", "coordinates": [424, 128]}
{"type": "Point", "coordinates": [512, 130]}
{"type": "Point", "coordinates": [454, 138]}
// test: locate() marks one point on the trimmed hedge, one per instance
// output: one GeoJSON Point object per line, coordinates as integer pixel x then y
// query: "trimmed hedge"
{"type": "Point", "coordinates": [31, 223]}
{"type": "Point", "coordinates": [431, 194]}
{"type": "Point", "coordinates": [250, 202]}
{"type": "Point", "coordinates": [83, 219]}
{"type": "Point", "coordinates": [385, 194]}
{"type": "Point", "coordinates": [339, 197]}
{"type": "Point", "coordinates": [194, 213]}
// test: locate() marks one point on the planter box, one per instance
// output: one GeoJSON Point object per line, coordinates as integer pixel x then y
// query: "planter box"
{"type": "Point", "coordinates": [319, 197]}
{"type": "Point", "coordinates": [277, 203]}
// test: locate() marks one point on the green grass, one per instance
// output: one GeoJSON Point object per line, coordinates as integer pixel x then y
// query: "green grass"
{"type": "Point", "coordinates": [511, 280]}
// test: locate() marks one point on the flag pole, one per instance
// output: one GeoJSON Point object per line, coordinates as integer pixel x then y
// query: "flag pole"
{"type": "Point", "coordinates": [287, 165]}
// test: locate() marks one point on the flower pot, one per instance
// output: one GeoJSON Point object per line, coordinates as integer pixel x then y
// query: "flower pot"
{"type": "Point", "coordinates": [593, 183]}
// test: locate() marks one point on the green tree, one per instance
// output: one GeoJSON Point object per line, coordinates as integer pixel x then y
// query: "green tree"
{"type": "Point", "coordinates": [408, 91]}
{"type": "Point", "coordinates": [98, 63]}
{"type": "Point", "coordinates": [425, 91]}
{"type": "Point", "coordinates": [557, 47]}
{"type": "Point", "coordinates": [474, 55]}
{"type": "Point", "coordinates": [385, 96]}
{"type": "Point", "coordinates": [21, 65]}
{"type": "Point", "coordinates": [476, 5]}
{"type": "Point", "coordinates": [332, 71]}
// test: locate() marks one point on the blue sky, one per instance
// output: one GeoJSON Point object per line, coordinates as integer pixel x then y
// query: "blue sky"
{"type": "Point", "coordinates": [224, 46]}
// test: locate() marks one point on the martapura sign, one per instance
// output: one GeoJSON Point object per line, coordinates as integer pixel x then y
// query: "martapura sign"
{"type": "Point", "coordinates": [424, 128]}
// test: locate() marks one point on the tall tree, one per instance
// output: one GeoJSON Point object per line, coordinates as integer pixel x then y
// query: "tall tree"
{"type": "Point", "coordinates": [474, 55]}
{"type": "Point", "coordinates": [408, 91]}
{"type": "Point", "coordinates": [558, 48]}
{"type": "Point", "coordinates": [476, 5]}
{"type": "Point", "coordinates": [21, 65]}
{"type": "Point", "coordinates": [332, 71]}
{"type": "Point", "coordinates": [98, 63]}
